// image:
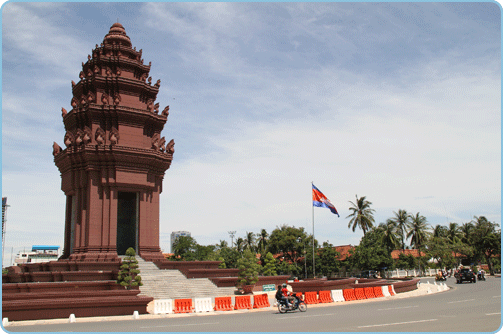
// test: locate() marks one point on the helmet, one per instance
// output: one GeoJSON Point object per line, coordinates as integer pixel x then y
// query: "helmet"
{"type": "Point", "coordinates": [284, 285]}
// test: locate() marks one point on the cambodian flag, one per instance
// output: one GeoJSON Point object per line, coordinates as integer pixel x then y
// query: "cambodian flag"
{"type": "Point", "coordinates": [321, 200]}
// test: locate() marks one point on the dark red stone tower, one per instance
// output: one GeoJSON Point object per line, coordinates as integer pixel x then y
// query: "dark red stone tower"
{"type": "Point", "coordinates": [115, 159]}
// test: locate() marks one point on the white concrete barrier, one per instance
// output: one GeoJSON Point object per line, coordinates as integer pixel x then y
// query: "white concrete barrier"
{"type": "Point", "coordinates": [385, 291]}
{"type": "Point", "coordinates": [393, 289]}
{"type": "Point", "coordinates": [203, 305]}
{"type": "Point", "coordinates": [337, 296]}
{"type": "Point", "coordinates": [5, 322]}
{"type": "Point", "coordinates": [136, 315]}
{"type": "Point", "coordinates": [72, 318]}
{"type": "Point", "coordinates": [163, 306]}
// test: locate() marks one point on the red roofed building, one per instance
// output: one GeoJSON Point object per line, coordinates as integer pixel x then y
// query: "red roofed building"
{"type": "Point", "coordinates": [414, 252]}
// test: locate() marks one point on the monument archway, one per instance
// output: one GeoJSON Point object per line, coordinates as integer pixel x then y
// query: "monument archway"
{"type": "Point", "coordinates": [127, 221]}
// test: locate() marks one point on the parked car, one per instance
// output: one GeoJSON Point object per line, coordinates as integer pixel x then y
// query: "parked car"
{"type": "Point", "coordinates": [367, 274]}
{"type": "Point", "coordinates": [465, 274]}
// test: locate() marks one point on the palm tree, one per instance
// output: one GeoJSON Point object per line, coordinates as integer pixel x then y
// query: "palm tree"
{"type": "Point", "coordinates": [402, 222]}
{"type": "Point", "coordinates": [480, 221]}
{"type": "Point", "coordinates": [250, 241]}
{"type": "Point", "coordinates": [389, 238]}
{"type": "Point", "coordinates": [262, 240]}
{"type": "Point", "coordinates": [419, 231]}
{"type": "Point", "coordinates": [362, 216]}
{"type": "Point", "coordinates": [439, 231]}
{"type": "Point", "coordinates": [466, 229]}
{"type": "Point", "coordinates": [454, 234]}
{"type": "Point", "coordinates": [239, 244]}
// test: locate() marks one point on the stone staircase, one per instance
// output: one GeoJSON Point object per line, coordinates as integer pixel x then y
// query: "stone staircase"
{"type": "Point", "coordinates": [172, 284]}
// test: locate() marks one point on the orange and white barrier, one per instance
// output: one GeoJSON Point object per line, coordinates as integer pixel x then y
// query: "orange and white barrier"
{"type": "Point", "coordinates": [260, 301]}
{"type": "Point", "coordinates": [223, 304]}
{"type": "Point", "coordinates": [325, 297]}
{"type": "Point", "coordinates": [311, 297]}
{"type": "Point", "coordinates": [183, 305]}
{"type": "Point", "coordinates": [163, 306]}
{"type": "Point", "coordinates": [337, 296]}
{"type": "Point", "coordinates": [202, 305]}
{"type": "Point", "coordinates": [242, 302]}
{"type": "Point", "coordinates": [349, 294]}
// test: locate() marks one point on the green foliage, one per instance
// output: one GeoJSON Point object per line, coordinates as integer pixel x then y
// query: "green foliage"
{"type": "Point", "coordinates": [406, 262]}
{"type": "Point", "coordinates": [269, 268]}
{"type": "Point", "coordinates": [362, 216]}
{"type": "Point", "coordinates": [402, 221]}
{"type": "Point", "coordinates": [486, 241]}
{"type": "Point", "coordinates": [4, 271]}
{"type": "Point", "coordinates": [184, 249]}
{"type": "Point", "coordinates": [205, 253]}
{"type": "Point", "coordinates": [288, 241]}
{"type": "Point", "coordinates": [230, 256]}
{"type": "Point", "coordinates": [327, 260]}
{"type": "Point", "coordinates": [248, 269]}
{"type": "Point", "coordinates": [129, 274]}
{"type": "Point", "coordinates": [442, 251]}
{"type": "Point", "coordinates": [371, 254]}
{"type": "Point", "coordinates": [222, 263]}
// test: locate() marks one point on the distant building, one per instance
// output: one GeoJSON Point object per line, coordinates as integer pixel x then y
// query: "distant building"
{"type": "Point", "coordinates": [38, 254]}
{"type": "Point", "coordinates": [176, 235]}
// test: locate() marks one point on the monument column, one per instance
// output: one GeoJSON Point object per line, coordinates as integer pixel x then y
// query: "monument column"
{"type": "Point", "coordinates": [115, 158]}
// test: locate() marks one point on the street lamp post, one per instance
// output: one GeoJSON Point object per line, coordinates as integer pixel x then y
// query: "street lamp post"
{"type": "Point", "coordinates": [232, 233]}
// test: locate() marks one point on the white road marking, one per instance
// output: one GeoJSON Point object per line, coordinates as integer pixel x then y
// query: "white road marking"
{"type": "Point", "coordinates": [461, 301]}
{"type": "Point", "coordinates": [493, 313]}
{"type": "Point", "coordinates": [305, 316]}
{"type": "Point", "coordinates": [205, 323]}
{"type": "Point", "coordinates": [496, 296]}
{"type": "Point", "coordinates": [396, 308]}
{"type": "Point", "coordinates": [398, 323]}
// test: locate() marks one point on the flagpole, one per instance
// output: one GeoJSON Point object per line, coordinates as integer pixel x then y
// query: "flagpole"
{"type": "Point", "coordinates": [312, 205]}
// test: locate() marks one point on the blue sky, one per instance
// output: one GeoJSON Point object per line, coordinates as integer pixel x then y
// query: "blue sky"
{"type": "Point", "coordinates": [398, 102]}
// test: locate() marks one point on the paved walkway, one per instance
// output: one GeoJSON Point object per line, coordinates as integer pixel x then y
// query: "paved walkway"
{"type": "Point", "coordinates": [424, 289]}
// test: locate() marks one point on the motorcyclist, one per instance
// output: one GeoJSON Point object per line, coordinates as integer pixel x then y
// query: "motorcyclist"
{"type": "Point", "coordinates": [280, 296]}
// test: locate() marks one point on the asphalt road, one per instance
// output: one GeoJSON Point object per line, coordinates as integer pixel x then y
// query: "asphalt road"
{"type": "Point", "coordinates": [466, 307]}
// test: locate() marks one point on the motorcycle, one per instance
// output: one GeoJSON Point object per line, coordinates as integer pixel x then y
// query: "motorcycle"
{"type": "Point", "coordinates": [298, 304]}
{"type": "Point", "coordinates": [440, 278]}
{"type": "Point", "coordinates": [481, 277]}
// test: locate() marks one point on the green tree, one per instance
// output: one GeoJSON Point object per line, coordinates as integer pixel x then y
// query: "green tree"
{"type": "Point", "coordinates": [269, 268]}
{"type": "Point", "coordinates": [230, 256]}
{"type": "Point", "coordinates": [240, 245]}
{"type": "Point", "coordinates": [249, 242]}
{"type": "Point", "coordinates": [362, 215]}
{"type": "Point", "coordinates": [402, 223]}
{"type": "Point", "coordinates": [222, 263]}
{"type": "Point", "coordinates": [205, 253]}
{"type": "Point", "coordinates": [288, 241]}
{"type": "Point", "coordinates": [407, 262]}
{"type": "Point", "coordinates": [466, 229]}
{"type": "Point", "coordinates": [418, 232]}
{"type": "Point", "coordinates": [389, 236]}
{"type": "Point", "coordinates": [248, 269]}
{"type": "Point", "coordinates": [129, 275]}
{"type": "Point", "coordinates": [262, 241]}
{"type": "Point", "coordinates": [184, 249]}
{"type": "Point", "coordinates": [439, 231]}
{"type": "Point", "coordinates": [328, 260]}
{"type": "Point", "coordinates": [486, 240]}
{"type": "Point", "coordinates": [454, 234]}
{"type": "Point", "coordinates": [371, 254]}
{"type": "Point", "coordinates": [442, 251]}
